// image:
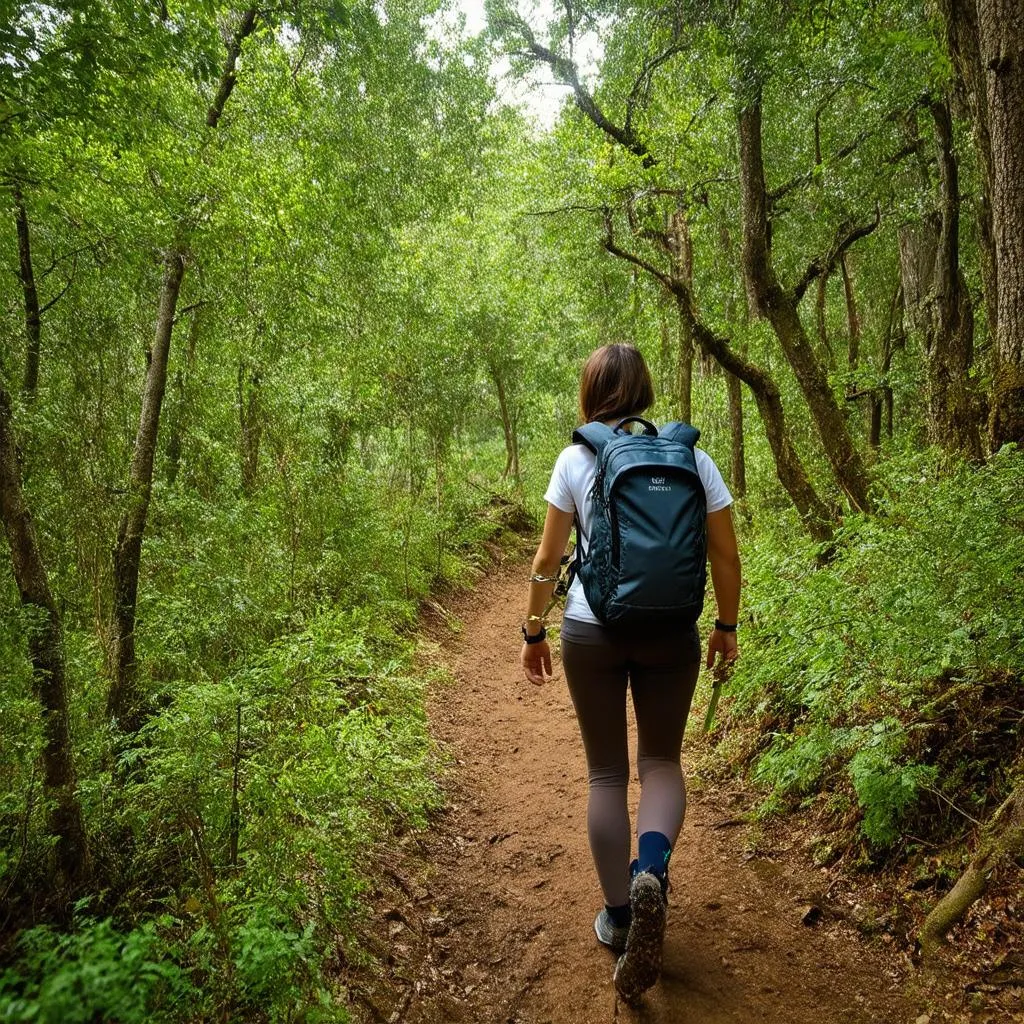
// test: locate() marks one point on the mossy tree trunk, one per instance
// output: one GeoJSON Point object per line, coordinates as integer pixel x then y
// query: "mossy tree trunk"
{"type": "Point", "coordinates": [1002, 839]}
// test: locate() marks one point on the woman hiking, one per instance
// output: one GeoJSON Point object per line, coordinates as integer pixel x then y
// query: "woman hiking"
{"type": "Point", "coordinates": [657, 658]}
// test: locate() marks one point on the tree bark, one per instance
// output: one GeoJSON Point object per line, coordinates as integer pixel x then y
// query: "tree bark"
{"type": "Point", "coordinates": [780, 307]}
{"type": "Point", "coordinates": [1001, 38]}
{"type": "Point", "coordinates": [508, 426]}
{"type": "Point", "coordinates": [181, 412]}
{"type": "Point", "coordinates": [938, 300]}
{"type": "Point", "coordinates": [852, 317]}
{"type": "Point", "coordinates": [881, 396]}
{"type": "Point", "coordinates": [1002, 839]}
{"type": "Point", "coordinates": [250, 417]}
{"type": "Point", "coordinates": [46, 653]}
{"type": "Point", "coordinates": [31, 297]}
{"type": "Point", "coordinates": [125, 703]}
{"type": "Point", "coordinates": [961, 22]}
{"type": "Point", "coordinates": [680, 248]}
{"type": "Point", "coordinates": [820, 309]}
{"type": "Point", "coordinates": [737, 461]}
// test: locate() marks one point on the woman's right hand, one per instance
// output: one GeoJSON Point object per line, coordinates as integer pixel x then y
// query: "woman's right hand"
{"type": "Point", "coordinates": [536, 660]}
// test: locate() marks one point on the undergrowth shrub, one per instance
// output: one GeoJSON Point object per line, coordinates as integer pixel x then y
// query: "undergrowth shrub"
{"type": "Point", "coordinates": [855, 670]}
{"type": "Point", "coordinates": [287, 742]}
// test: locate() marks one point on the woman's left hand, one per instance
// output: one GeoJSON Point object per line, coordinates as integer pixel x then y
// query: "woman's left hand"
{"type": "Point", "coordinates": [724, 646]}
{"type": "Point", "coordinates": [536, 661]}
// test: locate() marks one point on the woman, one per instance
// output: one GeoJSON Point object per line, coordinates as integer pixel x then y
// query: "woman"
{"type": "Point", "coordinates": [659, 664]}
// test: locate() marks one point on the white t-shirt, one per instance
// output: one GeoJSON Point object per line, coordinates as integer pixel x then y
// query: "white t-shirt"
{"type": "Point", "coordinates": [571, 483]}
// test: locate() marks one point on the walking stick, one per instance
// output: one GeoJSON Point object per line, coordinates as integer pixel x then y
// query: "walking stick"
{"type": "Point", "coordinates": [720, 676]}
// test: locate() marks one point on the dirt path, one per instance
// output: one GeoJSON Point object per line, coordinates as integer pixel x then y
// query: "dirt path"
{"type": "Point", "coordinates": [490, 921]}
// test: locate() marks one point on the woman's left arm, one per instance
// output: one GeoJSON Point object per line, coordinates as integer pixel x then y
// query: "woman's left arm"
{"type": "Point", "coordinates": [724, 556]}
{"type": "Point", "coordinates": [536, 657]}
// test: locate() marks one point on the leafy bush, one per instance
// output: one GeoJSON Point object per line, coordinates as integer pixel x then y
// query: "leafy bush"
{"type": "Point", "coordinates": [96, 973]}
{"type": "Point", "coordinates": [848, 663]}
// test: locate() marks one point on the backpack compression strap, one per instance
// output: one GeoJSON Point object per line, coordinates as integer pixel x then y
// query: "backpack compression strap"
{"type": "Point", "coordinates": [681, 432]}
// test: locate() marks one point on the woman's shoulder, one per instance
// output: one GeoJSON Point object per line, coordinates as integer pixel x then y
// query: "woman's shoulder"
{"type": "Point", "coordinates": [575, 455]}
{"type": "Point", "coordinates": [574, 461]}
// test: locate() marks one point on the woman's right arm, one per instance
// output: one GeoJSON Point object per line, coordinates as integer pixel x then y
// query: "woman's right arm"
{"type": "Point", "coordinates": [724, 556]}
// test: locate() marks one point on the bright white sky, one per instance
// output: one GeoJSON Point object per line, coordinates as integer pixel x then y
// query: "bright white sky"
{"type": "Point", "coordinates": [541, 97]}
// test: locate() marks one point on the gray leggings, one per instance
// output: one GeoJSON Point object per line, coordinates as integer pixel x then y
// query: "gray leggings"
{"type": "Point", "coordinates": [660, 666]}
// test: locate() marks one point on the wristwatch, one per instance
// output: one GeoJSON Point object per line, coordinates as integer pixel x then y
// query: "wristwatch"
{"type": "Point", "coordinates": [537, 637]}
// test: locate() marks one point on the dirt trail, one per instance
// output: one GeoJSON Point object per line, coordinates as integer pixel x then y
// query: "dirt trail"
{"type": "Point", "coordinates": [491, 919]}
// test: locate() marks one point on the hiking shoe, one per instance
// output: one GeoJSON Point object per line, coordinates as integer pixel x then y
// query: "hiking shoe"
{"type": "Point", "coordinates": [638, 968]}
{"type": "Point", "coordinates": [634, 870]}
{"type": "Point", "coordinates": [610, 935]}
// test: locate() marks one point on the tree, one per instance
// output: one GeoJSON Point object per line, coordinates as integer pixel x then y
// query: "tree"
{"type": "Point", "coordinates": [46, 652]}
{"type": "Point", "coordinates": [1001, 44]}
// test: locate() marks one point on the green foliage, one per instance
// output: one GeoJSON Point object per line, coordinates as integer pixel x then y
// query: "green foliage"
{"type": "Point", "coordinates": [850, 661]}
{"type": "Point", "coordinates": [886, 786]}
{"type": "Point", "coordinates": [97, 972]}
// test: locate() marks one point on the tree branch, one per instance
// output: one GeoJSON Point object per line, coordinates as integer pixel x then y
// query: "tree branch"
{"type": "Point", "coordinates": [228, 77]}
{"type": "Point", "coordinates": [567, 73]}
{"type": "Point", "coordinates": [643, 80]}
{"type": "Point", "coordinates": [60, 295]}
{"type": "Point", "coordinates": [800, 180]}
{"type": "Point", "coordinates": [629, 257]}
{"type": "Point", "coordinates": [826, 262]}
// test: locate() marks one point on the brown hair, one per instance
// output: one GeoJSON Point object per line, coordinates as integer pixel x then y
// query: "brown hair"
{"type": "Point", "coordinates": [615, 383]}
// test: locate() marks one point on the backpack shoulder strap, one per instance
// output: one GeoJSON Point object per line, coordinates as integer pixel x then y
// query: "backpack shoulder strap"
{"type": "Point", "coordinates": [681, 432]}
{"type": "Point", "coordinates": [594, 436]}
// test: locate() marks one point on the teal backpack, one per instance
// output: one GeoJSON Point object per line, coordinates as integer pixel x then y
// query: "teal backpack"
{"type": "Point", "coordinates": [647, 555]}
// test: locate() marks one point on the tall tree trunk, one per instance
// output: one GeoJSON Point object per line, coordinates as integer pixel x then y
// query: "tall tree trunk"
{"type": "Point", "coordinates": [46, 653]}
{"type": "Point", "coordinates": [737, 461]}
{"type": "Point", "coordinates": [30, 295]}
{"type": "Point", "coordinates": [881, 396]}
{"type": "Point", "coordinates": [680, 247]}
{"type": "Point", "coordinates": [781, 308]}
{"type": "Point", "coordinates": [820, 309]}
{"type": "Point", "coordinates": [508, 425]}
{"type": "Point", "coordinates": [961, 22]}
{"type": "Point", "coordinates": [125, 703]}
{"type": "Point", "coordinates": [180, 418]}
{"type": "Point", "coordinates": [250, 417]}
{"type": "Point", "coordinates": [937, 297]}
{"type": "Point", "coordinates": [852, 317]}
{"type": "Point", "coordinates": [1001, 37]}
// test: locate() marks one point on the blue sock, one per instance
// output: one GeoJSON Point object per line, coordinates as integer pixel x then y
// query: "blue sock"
{"type": "Point", "coordinates": [620, 916]}
{"type": "Point", "coordinates": [654, 852]}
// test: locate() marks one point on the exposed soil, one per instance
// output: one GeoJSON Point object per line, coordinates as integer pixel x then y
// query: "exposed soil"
{"type": "Point", "coordinates": [488, 918]}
